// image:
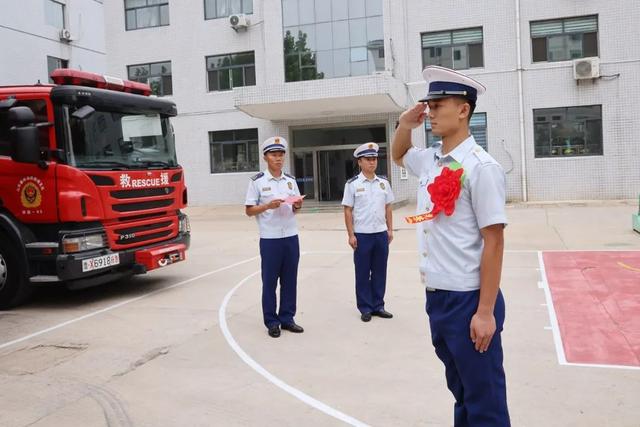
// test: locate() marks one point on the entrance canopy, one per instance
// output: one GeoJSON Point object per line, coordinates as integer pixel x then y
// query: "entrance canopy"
{"type": "Point", "coordinates": [323, 98]}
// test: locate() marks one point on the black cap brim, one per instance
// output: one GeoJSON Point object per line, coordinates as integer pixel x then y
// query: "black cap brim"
{"type": "Point", "coordinates": [431, 97]}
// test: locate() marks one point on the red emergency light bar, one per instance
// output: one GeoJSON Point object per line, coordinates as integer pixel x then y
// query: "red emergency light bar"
{"type": "Point", "coordinates": [67, 76]}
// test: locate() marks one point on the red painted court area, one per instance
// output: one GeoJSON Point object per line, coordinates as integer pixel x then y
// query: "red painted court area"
{"type": "Point", "coordinates": [596, 296]}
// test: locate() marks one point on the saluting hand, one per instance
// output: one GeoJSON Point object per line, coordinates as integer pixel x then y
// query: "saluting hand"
{"type": "Point", "coordinates": [482, 327]}
{"type": "Point", "coordinates": [413, 117]}
{"type": "Point", "coordinates": [353, 242]}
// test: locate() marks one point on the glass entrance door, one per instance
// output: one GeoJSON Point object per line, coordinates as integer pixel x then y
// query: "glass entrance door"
{"type": "Point", "coordinates": [335, 167]}
{"type": "Point", "coordinates": [305, 176]}
{"type": "Point", "coordinates": [323, 158]}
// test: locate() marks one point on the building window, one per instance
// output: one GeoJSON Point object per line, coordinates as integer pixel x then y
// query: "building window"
{"type": "Point", "coordinates": [234, 150]}
{"type": "Point", "coordinates": [332, 38]}
{"type": "Point", "coordinates": [54, 13]}
{"type": "Point", "coordinates": [477, 127]}
{"type": "Point", "coordinates": [54, 63]}
{"type": "Point", "coordinates": [568, 131]}
{"type": "Point", "coordinates": [146, 13]}
{"type": "Point", "coordinates": [458, 49]}
{"type": "Point", "coordinates": [221, 8]}
{"type": "Point", "coordinates": [225, 72]}
{"type": "Point", "coordinates": [157, 75]}
{"type": "Point", "coordinates": [564, 39]}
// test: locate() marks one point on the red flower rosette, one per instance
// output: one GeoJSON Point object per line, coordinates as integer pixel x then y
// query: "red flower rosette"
{"type": "Point", "coordinates": [444, 191]}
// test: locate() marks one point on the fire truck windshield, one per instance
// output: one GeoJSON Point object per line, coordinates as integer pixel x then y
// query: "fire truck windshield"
{"type": "Point", "coordinates": [117, 140]}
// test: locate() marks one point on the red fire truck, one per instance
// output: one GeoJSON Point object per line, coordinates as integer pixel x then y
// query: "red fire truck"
{"type": "Point", "coordinates": [90, 187]}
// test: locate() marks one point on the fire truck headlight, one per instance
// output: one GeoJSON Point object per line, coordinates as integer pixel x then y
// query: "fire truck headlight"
{"type": "Point", "coordinates": [183, 225]}
{"type": "Point", "coordinates": [86, 242]}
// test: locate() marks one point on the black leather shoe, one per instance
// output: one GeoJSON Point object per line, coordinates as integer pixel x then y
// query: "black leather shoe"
{"type": "Point", "coordinates": [292, 327]}
{"type": "Point", "coordinates": [365, 317]}
{"type": "Point", "coordinates": [382, 313]}
{"type": "Point", "coordinates": [274, 331]}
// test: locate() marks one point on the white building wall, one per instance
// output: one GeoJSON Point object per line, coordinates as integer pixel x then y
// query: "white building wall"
{"type": "Point", "coordinates": [189, 38]}
{"type": "Point", "coordinates": [616, 174]}
{"type": "Point", "coordinates": [26, 39]}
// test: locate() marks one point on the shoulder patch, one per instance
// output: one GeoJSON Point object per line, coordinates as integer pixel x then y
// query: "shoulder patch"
{"type": "Point", "coordinates": [290, 176]}
{"type": "Point", "coordinates": [352, 179]}
{"type": "Point", "coordinates": [257, 176]}
{"type": "Point", "coordinates": [482, 156]}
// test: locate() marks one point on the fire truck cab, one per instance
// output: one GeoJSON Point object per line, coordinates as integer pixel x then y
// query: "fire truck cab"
{"type": "Point", "coordinates": [90, 187]}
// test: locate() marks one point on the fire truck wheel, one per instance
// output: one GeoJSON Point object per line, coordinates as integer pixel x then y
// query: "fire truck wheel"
{"type": "Point", "coordinates": [14, 287]}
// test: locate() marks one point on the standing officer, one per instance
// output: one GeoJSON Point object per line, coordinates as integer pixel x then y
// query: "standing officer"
{"type": "Point", "coordinates": [279, 247]}
{"type": "Point", "coordinates": [367, 215]}
{"type": "Point", "coordinates": [463, 237]}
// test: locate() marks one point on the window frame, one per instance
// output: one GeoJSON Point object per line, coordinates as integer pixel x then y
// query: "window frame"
{"type": "Point", "coordinates": [62, 9]}
{"type": "Point", "coordinates": [149, 64]}
{"type": "Point", "coordinates": [242, 7]}
{"type": "Point", "coordinates": [64, 63]}
{"type": "Point", "coordinates": [230, 69]}
{"type": "Point", "coordinates": [565, 35]}
{"type": "Point", "coordinates": [562, 155]}
{"type": "Point", "coordinates": [334, 59]}
{"type": "Point", "coordinates": [427, 129]}
{"type": "Point", "coordinates": [148, 6]}
{"type": "Point", "coordinates": [234, 141]}
{"type": "Point", "coordinates": [44, 132]}
{"type": "Point", "coordinates": [453, 45]}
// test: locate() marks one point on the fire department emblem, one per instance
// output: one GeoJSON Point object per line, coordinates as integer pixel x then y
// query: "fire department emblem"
{"type": "Point", "coordinates": [290, 185]}
{"type": "Point", "coordinates": [30, 190]}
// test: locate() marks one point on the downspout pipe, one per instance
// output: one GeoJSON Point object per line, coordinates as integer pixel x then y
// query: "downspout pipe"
{"type": "Point", "coordinates": [523, 157]}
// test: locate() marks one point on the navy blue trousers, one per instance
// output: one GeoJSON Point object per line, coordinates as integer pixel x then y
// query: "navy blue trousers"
{"type": "Point", "coordinates": [370, 259]}
{"type": "Point", "coordinates": [476, 379]}
{"type": "Point", "coordinates": [279, 261]}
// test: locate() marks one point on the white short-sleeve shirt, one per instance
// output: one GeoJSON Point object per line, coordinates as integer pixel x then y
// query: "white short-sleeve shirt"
{"type": "Point", "coordinates": [450, 247]}
{"type": "Point", "coordinates": [263, 188]}
{"type": "Point", "coordinates": [369, 199]}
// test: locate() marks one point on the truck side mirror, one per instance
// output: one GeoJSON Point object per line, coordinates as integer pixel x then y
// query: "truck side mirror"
{"type": "Point", "coordinates": [25, 141]}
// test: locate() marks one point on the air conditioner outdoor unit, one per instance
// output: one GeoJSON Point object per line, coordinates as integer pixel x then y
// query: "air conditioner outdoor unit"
{"type": "Point", "coordinates": [65, 35]}
{"type": "Point", "coordinates": [586, 68]}
{"type": "Point", "coordinates": [239, 21]}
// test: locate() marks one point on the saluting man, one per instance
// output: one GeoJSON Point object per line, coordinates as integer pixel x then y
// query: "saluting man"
{"type": "Point", "coordinates": [367, 215]}
{"type": "Point", "coordinates": [279, 247]}
{"type": "Point", "coordinates": [461, 203]}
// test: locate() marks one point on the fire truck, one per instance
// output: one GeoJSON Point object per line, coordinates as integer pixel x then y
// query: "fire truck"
{"type": "Point", "coordinates": [90, 187]}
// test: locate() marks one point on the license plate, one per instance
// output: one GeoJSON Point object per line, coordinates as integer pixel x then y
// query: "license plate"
{"type": "Point", "coordinates": [100, 262]}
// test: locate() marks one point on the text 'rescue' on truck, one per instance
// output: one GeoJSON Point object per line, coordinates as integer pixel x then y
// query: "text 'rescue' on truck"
{"type": "Point", "coordinates": [90, 188]}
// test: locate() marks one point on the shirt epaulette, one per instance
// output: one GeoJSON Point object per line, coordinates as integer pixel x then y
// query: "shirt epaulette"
{"type": "Point", "coordinates": [482, 156]}
{"type": "Point", "coordinates": [352, 179]}
{"type": "Point", "coordinates": [257, 176]}
{"type": "Point", "coordinates": [290, 176]}
{"type": "Point", "coordinates": [383, 177]}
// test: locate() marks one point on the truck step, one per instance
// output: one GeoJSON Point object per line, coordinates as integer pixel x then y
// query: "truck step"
{"type": "Point", "coordinates": [44, 279]}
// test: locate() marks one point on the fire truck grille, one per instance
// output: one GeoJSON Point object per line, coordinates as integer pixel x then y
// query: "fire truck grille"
{"type": "Point", "coordinates": [144, 192]}
{"type": "Point", "coordinates": [149, 232]}
{"type": "Point", "coordinates": [141, 206]}
{"type": "Point", "coordinates": [126, 240]}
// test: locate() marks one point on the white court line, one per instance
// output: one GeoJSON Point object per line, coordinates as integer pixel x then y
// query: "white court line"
{"type": "Point", "coordinates": [555, 328]}
{"type": "Point", "coordinates": [120, 304]}
{"type": "Point", "coordinates": [222, 320]}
